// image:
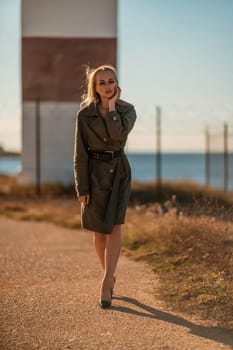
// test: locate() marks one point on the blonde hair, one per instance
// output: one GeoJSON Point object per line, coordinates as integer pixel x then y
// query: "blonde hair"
{"type": "Point", "coordinates": [92, 96]}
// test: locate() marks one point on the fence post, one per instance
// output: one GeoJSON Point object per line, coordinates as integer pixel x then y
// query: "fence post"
{"type": "Point", "coordinates": [158, 154]}
{"type": "Point", "coordinates": [38, 156]}
{"type": "Point", "coordinates": [225, 154]}
{"type": "Point", "coordinates": [207, 157]}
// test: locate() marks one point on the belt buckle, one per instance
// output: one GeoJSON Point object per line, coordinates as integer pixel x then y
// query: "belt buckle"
{"type": "Point", "coordinates": [110, 152]}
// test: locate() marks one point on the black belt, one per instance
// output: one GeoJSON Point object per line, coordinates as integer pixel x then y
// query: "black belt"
{"type": "Point", "coordinates": [104, 155]}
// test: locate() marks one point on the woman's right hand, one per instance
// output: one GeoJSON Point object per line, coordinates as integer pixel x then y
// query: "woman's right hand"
{"type": "Point", "coordinates": [114, 99]}
{"type": "Point", "coordinates": [84, 199]}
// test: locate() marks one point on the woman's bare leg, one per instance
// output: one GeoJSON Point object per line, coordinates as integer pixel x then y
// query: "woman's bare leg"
{"type": "Point", "coordinates": [99, 240]}
{"type": "Point", "coordinates": [112, 253]}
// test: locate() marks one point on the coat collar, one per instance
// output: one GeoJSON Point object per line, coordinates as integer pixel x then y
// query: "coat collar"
{"type": "Point", "coordinates": [91, 110]}
{"type": "Point", "coordinates": [95, 121]}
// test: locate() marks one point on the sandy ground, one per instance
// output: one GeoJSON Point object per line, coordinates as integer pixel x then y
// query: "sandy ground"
{"type": "Point", "coordinates": [50, 279]}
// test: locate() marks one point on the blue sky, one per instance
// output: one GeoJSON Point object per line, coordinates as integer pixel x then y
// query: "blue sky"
{"type": "Point", "coordinates": [10, 100]}
{"type": "Point", "coordinates": [174, 53]}
{"type": "Point", "coordinates": [177, 54]}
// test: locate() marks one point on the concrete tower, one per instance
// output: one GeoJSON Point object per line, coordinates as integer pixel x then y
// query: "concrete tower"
{"type": "Point", "coordinates": [59, 37]}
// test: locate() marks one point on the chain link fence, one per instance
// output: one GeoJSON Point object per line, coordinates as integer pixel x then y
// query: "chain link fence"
{"type": "Point", "coordinates": [165, 146]}
{"type": "Point", "coordinates": [182, 150]}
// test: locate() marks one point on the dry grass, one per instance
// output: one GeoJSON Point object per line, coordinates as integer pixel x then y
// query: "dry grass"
{"type": "Point", "coordinates": [57, 204]}
{"type": "Point", "coordinates": [193, 256]}
{"type": "Point", "coordinates": [61, 211]}
{"type": "Point", "coordinates": [191, 199]}
{"type": "Point", "coordinates": [10, 188]}
{"type": "Point", "coordinates": [187, 238]}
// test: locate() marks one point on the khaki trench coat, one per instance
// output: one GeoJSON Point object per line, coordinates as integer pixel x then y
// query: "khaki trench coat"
{"type": "Point", "coordinates": [107, 182]}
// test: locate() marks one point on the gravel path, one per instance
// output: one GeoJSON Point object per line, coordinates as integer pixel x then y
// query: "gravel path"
{"type": "Point", "coordinates": [49, 298]}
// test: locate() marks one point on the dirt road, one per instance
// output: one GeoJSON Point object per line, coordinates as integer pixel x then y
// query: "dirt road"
{"type": "Point", "coordinates": [49, 298]}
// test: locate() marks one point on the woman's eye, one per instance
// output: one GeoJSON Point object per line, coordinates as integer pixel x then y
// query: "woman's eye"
{"type": "Point", "coordinates": [101, 83]}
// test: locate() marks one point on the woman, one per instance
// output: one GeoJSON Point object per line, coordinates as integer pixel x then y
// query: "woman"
{"type": "Point", "coordinates": [101, 169]}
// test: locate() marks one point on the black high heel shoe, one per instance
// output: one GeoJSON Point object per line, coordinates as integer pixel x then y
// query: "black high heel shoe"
{"type": "Point", "coordinates": [104, 304]}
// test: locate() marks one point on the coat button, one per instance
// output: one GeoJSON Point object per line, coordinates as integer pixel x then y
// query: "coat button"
{"type": "Point", "coordinates": [114, 118]}
{"type": "Point", "coordinates": [111, 171]}
{"type": "Point", "coordinates": [105, 140]}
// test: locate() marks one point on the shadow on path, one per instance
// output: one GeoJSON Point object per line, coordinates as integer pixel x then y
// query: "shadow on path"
{"type": "Point", "coordinates": [221, 335]}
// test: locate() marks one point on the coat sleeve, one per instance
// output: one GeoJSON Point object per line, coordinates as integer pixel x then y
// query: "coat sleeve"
{"type": "Point", "coordinates": [119, 125]}
{"type": "Point", "coordinates": [81, 174]}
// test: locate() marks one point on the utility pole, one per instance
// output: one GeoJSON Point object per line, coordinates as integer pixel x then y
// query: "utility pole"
{"type": "Point", "coordinates": [225, 155]}
{"type": "Point", "coordinates": [207, 157]}
{"type": "Point", "coordinates": [38, 150]}
{"type": "Point", "coordinates": [158, 155]}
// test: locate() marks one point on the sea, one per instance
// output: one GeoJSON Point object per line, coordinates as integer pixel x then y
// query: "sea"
{"type": "Point", "coordinates": [174, 167]}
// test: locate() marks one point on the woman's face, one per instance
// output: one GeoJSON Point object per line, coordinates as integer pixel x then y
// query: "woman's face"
{"type": "Point", "coordinates": [106, 84]}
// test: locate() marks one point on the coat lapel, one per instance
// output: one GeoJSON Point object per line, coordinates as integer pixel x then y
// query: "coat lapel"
{"type": "Point", "coordinates": [96, 122]}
